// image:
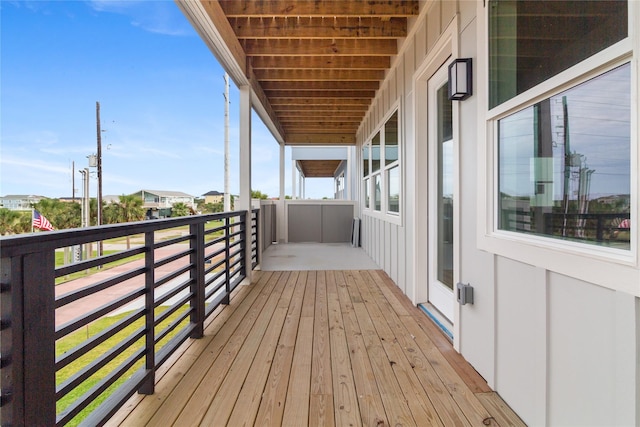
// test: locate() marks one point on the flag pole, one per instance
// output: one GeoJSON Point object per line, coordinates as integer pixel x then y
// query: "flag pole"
{"type": "Point", "coordinates": [32, 212]}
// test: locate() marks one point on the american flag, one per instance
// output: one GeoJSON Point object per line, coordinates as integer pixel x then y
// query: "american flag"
{"type": "Point", "coordinates": [39, 221]}
{"type": "Point", "coordinates": [625, 223]}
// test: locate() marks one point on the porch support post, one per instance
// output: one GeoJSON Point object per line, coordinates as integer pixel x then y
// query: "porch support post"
{"type": "Point", "coordinates": [280, 210]}
{"type": "Point", "coordinates": [245, 170]}
{"type": "Point", "coordinates": [348, 191]}
{"type": "Point", "coordinates": [294, 194]}
{"type": "Point", "coordinates": [282, 195]}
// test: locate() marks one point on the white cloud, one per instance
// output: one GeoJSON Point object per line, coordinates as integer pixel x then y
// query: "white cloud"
{"type": "Point", "coordinates": [165, 18]}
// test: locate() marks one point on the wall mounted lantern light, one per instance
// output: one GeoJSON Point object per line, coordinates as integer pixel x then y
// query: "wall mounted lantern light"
{"type": "Point", "coordinates": [460, 79]}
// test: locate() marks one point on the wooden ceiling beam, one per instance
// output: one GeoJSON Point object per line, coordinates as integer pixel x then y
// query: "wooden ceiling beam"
{"type": "Point", "coordinates": [319, 168]}
{"type": "Point", "coordinates": [326, 85]}
{"type": "Point", "coordinates": [353, 94]}
{"type": "Point", "coordinates": [379, 8]}
{"type": "Point", "coordinates": [321, 62]}
{"type": "Point", "coordinates": [314, 109]}
{"type": "Point", "coordinates": [318, 28]}
{"type": "Point", "coordinates": [276, 102]}
{"type": "Point", "coordinates": [308, 138]}
{"type": "Point", "coordinates": [310, 117]}
{"type": "Point", "coordinates": [319, 47]}
{"type": "Point", "coordinates": [318, 75]}
{"type": "Point", "coordinates": [321, 127]}
{"type": "Point", "coordinates": [336, 118]}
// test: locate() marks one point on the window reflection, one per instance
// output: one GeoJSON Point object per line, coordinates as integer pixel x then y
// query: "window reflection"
{"type": "Point", "coordinates": [531, 41]}
{"type": "Point", "coordinates": [367, 194]}
{"type": "Point", "coordinates": [375, 153]}
{"type": "Point", "coordinates": [393, 196]}
{"type": "Point", "coordinates": [391, 139]}
{"type": "Point", "coordinates": [445, 187]}
{"type": "Point", "coordinates": [377, 195]}
{"type": "Point", "coordinates": [365, 160]}
{"type": "Point", "coordinates": [564, 164]}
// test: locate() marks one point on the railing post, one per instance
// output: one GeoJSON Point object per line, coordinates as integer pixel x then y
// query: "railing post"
{"type": "Point", "coordinates": [148, 387]}
{"type": "Point", "coordinates": [245, 244]}
{"type": "Point", "coordinates": [258, 237]}
{"type": "Point", "coordinates": [35, 293]}
{"type": "Point", "coordinates": [197, 279]}
{"type": "Point", "coordinates": [599, 229]}
{"type": "Point", "coordinates": [11, 378]}
{"type": "Point", "coordinates": [227, 262]}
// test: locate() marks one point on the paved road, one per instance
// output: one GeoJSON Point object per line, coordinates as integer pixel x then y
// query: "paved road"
{"type": "Point", "coordinates": [85, 305]}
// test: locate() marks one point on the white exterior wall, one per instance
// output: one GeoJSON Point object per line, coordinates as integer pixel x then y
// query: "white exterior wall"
{"type": "Point", "coordinates": [559, 349]}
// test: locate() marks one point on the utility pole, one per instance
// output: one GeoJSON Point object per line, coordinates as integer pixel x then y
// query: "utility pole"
{"type": "Point", "coordinates": [85, 209]}
{"type": "Point", "coordinates": [227, 195]}
{"type": "Point", "coordinates": [99, 204]}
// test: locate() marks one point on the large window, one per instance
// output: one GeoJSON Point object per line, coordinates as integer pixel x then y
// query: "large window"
{"type": "Point", "coordinates": [564, 164]}
{"type": "Point", "coordinates": [530, 41]}
{"type": "Point", "coordinates": [381, 169]}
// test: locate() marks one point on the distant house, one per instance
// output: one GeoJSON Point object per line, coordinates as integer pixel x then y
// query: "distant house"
{"type": "Point", "coordinates": [158, 204]}
{"type": "Point", "coordinates": [213, 197]}
{"type": "Point", "coordinates": [110, 199]}
{"type": "Point", "coordinates": [70, 199]}
{"type": "Point", "coordinates": [19, 202]}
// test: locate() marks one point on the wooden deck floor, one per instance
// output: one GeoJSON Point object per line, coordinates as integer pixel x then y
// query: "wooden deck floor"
{"type": "Point", "coordinates": [334, 348]}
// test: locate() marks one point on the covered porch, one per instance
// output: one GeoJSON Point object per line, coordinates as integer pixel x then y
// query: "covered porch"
{"type": "Point", "coordinates": [318, 348]}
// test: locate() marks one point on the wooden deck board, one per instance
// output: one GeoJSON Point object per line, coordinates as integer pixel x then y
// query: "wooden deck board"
{"type": "Point", "coordinates": [272, 403]}
{"type": "Point", "coordinates": [321, 398]}
{"type": "Point", "coordinates": [345, 398]}
{"type": "Point", "coordinates": [342, 348]}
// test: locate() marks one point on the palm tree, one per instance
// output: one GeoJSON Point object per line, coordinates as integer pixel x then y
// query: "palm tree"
{"type": "Point", "coordinates": [23, 225]}
{"type": "Point", "coordinates": [180, 209]}
{"type": "Point", "coordinates": [111, 213]}
{"type": "Point", "coordinates": [61, 214]}
{"type": "Point", "coordinates": [8, 219]}
{"type": "Point", "coordinates": [130, 209]}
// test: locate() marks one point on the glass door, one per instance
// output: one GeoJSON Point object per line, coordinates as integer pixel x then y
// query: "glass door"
{"type": "Point", "coordinates": [442, 196]}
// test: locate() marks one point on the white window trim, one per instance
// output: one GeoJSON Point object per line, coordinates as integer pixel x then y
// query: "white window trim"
{"type": "Point", "coordinates": [384, 213]}
{"type": "Point", "coordinates": [591, 263]}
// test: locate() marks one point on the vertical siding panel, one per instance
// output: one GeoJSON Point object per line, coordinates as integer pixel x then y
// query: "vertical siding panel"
{"type": "Point", "coordinates": [381, 243]}
{"type": "Point", "coordinates": [420, 42]}
{"type": "Point", "coordinates": [400, 79]}
{"type": "Point", "coordinates": [394, 252]}
{"type": "Point", "coordinates": [393, 92]}
{"type": "Point", "coordinates": [371, 238]}
{"type": "Point", "coordinates": [449, 10]}
{"type": "Point", "coordinates": [433, 25]}
{"type": "Point", "coordinates": [408, 169]}
{"type": "Point", "coordinates": [369, 242]}
{"type": "Point", "coordinates": [385, 98]}
{"type": "Point", "coordinates": [403, 261]}
{"type": "Point", "coordinates": [387, 247]}
{"type": "Point", "coordinates": [409, 64]}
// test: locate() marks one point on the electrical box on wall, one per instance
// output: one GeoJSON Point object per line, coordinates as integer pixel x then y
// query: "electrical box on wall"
{"type": "Point", "coordinates": [465, 293]}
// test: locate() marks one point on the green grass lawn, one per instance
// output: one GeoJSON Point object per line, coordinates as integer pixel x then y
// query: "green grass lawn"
{"type": "Point", "coordinates": [77, 338]}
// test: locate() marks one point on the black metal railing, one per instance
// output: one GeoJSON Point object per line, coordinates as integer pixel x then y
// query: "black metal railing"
{"type": "Point", "coordinates": [76, 351]}
{"type": "Point", "coordinates": [599, 228]}
{"type": "Point", "coordinates": [255, 240]}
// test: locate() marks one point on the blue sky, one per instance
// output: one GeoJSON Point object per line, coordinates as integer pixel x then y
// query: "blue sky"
{"type": "Point", "coordinates": [161, 96]}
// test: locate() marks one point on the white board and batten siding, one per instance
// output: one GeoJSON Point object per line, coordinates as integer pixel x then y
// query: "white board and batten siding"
{"type": "Point", "coordinates": [559, 349]}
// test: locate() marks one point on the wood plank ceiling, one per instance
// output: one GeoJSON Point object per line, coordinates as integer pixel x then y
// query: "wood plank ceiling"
{"type": "Point", "coordinates": [318, 63]}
